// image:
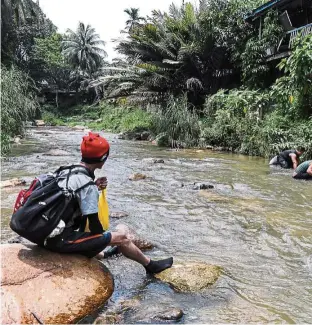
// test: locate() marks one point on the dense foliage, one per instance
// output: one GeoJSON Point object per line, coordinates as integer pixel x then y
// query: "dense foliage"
{"type": "Point", "coordinates": [197, 74]}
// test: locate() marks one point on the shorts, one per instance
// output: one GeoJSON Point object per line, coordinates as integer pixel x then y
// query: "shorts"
{"type": "Point", "coordinates": [77, 242]}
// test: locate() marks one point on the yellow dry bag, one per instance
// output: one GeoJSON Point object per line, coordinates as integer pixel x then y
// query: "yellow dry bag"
{"type": "Point", "coordinates": [103, 211]}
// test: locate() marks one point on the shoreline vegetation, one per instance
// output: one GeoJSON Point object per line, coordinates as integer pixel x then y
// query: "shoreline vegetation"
{"type": "Point", "coordinates": [191, 77]}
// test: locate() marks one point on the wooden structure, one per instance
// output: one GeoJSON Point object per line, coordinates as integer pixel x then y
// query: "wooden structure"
{"type": "Point", "coordinates": [295, 17]}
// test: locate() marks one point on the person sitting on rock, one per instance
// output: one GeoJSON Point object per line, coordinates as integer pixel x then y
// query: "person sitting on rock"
{"type": "Point", "coordinates": [288, 158]}
{"type": "Point", "coordinates": [67, 238]}
{"type": "Point", "coordinates": [304, 170]}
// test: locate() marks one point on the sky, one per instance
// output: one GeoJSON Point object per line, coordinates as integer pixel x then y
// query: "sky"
{"type": "Point", "coordinates": [107, 17]}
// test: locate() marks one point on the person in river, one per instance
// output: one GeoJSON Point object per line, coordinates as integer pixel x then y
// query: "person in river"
{"type": "Point", "coordinates": [68, 238]}
{"type": "Point", "coordinates": [303, 171]}
{"type": "Point", "coordinates": [288, 158]}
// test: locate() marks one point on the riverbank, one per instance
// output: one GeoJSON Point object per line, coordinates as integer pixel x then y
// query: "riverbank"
{"type": "Point", "coordinates": [178, 127]}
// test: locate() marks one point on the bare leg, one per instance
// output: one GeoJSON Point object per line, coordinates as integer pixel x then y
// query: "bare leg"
{"type": "Point", "coordinates": [128, 249]}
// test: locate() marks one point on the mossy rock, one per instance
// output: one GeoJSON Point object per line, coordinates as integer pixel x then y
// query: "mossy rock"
{"type": "Point", "coordinates": [190, 277]}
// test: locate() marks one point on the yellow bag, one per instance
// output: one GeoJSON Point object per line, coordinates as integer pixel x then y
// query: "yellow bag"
{"type": "Point", "coordinates": [103, 212]}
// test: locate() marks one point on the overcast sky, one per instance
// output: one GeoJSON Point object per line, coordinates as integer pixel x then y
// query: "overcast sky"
{"type": "Point", "coordinates": [107, 17]}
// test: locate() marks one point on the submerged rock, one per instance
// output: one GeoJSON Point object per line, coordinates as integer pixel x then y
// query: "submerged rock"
{"type": "Point", "coordinates": [190, 277]}
{"type": "Point", "coordinates": [136, 177]}
{"type": "Point", "coordinates": [170, 314]}
{"type": "Point", "coordinates": [108, 318]}
{"type": "Point", "coordinates": [153, 160]}
{"type": "Point", "coordinates": [58, 289]}
{"type": "Point", "coordinates": [143, 244]}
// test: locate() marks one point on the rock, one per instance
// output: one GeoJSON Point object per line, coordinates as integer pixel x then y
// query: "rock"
{"type": "Point", "coordinates": [209, 147]}
{"type": "Point", "coordinates": [58, 289]}
{"type": "Point", "coordinates": [121, 136]}
{"type": "Point", "coordinates": [190, 277]}
{"type": "Point", "coordinates": [79, 127]}
{"type": "Point", "coordinates": [118, 215]}
{"type": "Point", "coordinates": [130, 304]}
{"type": "Point", "coordinates": [170, 314]}
{"type": "Point", "coordinates": [39, 123]}
{"type": "Point", "coordinates": [17, 140]}
{"type": "Point", "coordinates": [108, 318]}
{"type": "Point", "coordinates": [214, 197]}
{"type": "Point", "coordinates": [56, 152]}
{"type": "Point", "coordinates": [202, 186]}
{"type": "Point", "coordinates": [145, 135]}
{"type": "Point", "coordinates": [162, 140]}
{"type": "Point", "coordinates": [131, 234]}
{"type": "Point", "coordinates": [136, 177]}
{"type": "Point", "coordinates": [28, 124]}
{"type": "Point", "coordinates": [153, 160]}
{"type": "Point", "coordinates": [12, 182]}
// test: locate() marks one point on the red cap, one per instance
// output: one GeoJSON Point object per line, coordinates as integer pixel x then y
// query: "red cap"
{"type": "Point", "coordinates": [94, 147]}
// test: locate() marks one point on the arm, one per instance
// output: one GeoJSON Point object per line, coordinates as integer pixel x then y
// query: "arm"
{"type": "Point", "coordinates": [309, 170]}
{"type": "Point", "coordinates": [294, 160]}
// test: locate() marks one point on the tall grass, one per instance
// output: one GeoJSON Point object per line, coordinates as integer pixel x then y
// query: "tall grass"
{"type": "Point", "coordinates": [179, 121]}
{"type": "Point", "coordinates": [18, 103]}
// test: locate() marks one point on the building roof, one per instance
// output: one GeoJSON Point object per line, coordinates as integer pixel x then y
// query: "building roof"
{"type": "Point", "coordinates": [265, 7]}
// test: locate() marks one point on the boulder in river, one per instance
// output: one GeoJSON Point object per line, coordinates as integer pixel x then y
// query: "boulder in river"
{"type": "Point", "coordinates": [143, 244]}
{"type": "Point", "coordinates": [56, 288]}
{"type": "Point", "coordinates": [173, 313]}
{"type": "Point", "coordinates": [137, 177]}
{"type": "Point", "coordinates": [190, 277]}
{"type": "Point", "coordinates": [153, 160]}
{"type": "Point", "coordinates": [39, 123]}
{"type": "Point", "coordinates": [12, 182]}
{"type": "Point", "coordinates": [56, 152]}
{"type": "Point", "coordinates": [202, 186]}
{"type": "Point", "coordinates": [118, 215]}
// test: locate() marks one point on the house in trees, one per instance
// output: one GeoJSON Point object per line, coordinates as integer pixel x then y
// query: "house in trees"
{"type": "Point", "coordinates": [295, 17]}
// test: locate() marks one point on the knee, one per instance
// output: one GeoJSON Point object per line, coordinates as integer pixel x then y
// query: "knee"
{"type": "Point", "coordinates": [119, 239]}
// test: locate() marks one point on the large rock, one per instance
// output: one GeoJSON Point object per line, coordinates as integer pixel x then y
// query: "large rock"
{"type": "Point", "coordinates": [57, 152]}
{"type": "Point", "coordinates": [142, 243]}
{"type": "Point", "coordinates": [12, 182]}
{"type": "Point", "coordinates": [190, 277]}
{"type": "Point", "coordinates": [58, 289]}
{"type": "Point", "coordinates": [39, 123]}
{"type": "Point", "coordinates": [136, 177]}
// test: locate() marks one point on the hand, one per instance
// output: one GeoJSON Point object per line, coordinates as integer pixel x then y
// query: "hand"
{"type": "Point", "coordinates": [101, 183]}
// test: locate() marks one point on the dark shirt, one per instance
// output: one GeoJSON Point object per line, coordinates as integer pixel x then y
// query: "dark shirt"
{"type": "Point", "coordinates": [286, 156]}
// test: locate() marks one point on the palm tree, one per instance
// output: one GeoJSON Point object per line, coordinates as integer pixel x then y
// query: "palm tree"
{"type": "Point", "coordinates": [134, 18]}
{"type": "Point", "coordinates": [83, 49]}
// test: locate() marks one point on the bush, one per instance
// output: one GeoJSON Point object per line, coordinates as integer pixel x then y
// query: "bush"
{"type": "Point", "coordinates": [18, 104]}
{"type": "Point", "coordinates": [179, 121]}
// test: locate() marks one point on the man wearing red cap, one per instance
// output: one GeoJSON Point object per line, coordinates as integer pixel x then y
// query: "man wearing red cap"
{"type": "Point", "coordinates": [66, 239]}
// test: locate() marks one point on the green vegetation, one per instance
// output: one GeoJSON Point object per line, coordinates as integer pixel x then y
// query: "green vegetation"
{"type": "Point", "coordinates": [18, 104]}
{"type": "Point", "coordinates": [196, 75]}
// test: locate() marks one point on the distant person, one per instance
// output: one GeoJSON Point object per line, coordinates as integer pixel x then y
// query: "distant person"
{"type": "Point", "coordinates": [304, 170]}
{"type": "Point", "coordinates": [288, 158]}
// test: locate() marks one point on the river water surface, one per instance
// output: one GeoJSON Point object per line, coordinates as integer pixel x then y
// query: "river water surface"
{"type": "Point", "coordinates": [256, 224]}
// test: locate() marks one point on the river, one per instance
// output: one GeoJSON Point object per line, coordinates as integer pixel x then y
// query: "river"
{"type": "Point", "coordinates": [256, 224]}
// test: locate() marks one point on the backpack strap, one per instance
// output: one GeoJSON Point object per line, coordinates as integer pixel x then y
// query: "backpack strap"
{"type": "Point", "coordinates": [82, 170]}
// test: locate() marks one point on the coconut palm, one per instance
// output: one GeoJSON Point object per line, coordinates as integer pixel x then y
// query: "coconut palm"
{"type": "Point", "coordinates": [134, 19]}
{"type": "Point", "coordinates": [83, 49]}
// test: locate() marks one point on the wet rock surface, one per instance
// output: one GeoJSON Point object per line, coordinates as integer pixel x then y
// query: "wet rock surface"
{"type": "Point", "coordinates": [58, 289]}
{"type": "Point", "coordinates": [190, 277]}
{"type": "Point", "coordinates": [12, 182]}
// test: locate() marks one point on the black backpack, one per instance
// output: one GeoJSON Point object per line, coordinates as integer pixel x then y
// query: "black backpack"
{"type": "Point", "coordinates": [39, 209]}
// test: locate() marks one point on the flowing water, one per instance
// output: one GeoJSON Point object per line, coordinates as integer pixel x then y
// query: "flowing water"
{"type": "Point", "coordinates": [256, 224]}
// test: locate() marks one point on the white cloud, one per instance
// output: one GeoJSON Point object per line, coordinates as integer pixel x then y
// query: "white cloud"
{"type": "Point", "coordinates": [106, 17]}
